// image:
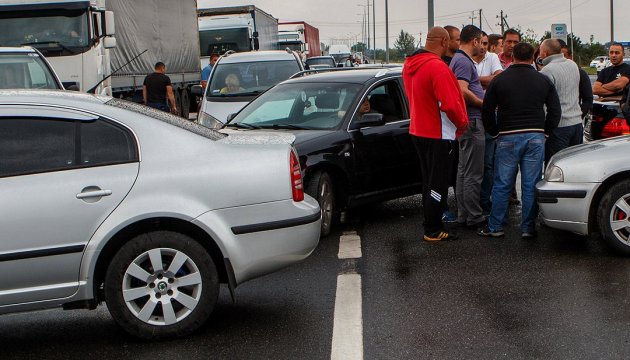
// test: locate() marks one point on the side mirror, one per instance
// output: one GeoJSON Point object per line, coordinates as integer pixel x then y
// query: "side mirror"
{"type": "Point", "coordinates": [256, 43]}
{"type": "Point", "coordinates": [196, 90]}
{"type": "Point", "coordinates": [340, 65]}
{"type": "Point", "coordinates": [109, 42]}
{"type": "Point", "coordinates": [369, 120]}
{"type": "Point", "coordinates": [230, 117]}
{"type": "Point", "coordinates": [73, 88]}
{"type": "Point", "coordinates": [110, 28]}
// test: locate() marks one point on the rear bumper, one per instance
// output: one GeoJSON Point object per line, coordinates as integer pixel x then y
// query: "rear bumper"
{"type": "Point", "coordinates": [566, 206]}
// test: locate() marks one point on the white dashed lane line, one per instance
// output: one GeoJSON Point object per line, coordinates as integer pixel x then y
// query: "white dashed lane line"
{"type": "Point", "coordinates": [347, 341]}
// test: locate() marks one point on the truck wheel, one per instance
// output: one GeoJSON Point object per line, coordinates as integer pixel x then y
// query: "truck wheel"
{"type": "Point", "coordinates": [161, 285]}
{"type": "Point", "coordinates": [178, 101]}
{"type": "Point", "coordinates": [184, 107]}
{"type": "Point", "coordinates": [320, 187]}
{"type": "Point", "coordinates": [613, 217]}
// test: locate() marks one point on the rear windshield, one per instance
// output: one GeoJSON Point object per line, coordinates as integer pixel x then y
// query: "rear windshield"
{"type": "Point", "coordinates": [249, 78]}
{"type": "Point", "coordinates": [25, 71]}
{"type": "Point", "coordinates": [168, 118]}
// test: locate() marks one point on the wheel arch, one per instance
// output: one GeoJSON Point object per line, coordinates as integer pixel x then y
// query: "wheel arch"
{"type": "Point", "coordinates": [599, 194]}
{"type": "Point", "coordinates": [156, 224]}
{"type": "Point", "coordinates": [338, 176]}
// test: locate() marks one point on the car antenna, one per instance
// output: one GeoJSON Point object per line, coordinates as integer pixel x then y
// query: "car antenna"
{"type": "Point", "coordinates": [93, 89]}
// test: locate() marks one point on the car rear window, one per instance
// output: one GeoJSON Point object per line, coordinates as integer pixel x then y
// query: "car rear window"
{"type": "Point", "coordinates": [167, 118]}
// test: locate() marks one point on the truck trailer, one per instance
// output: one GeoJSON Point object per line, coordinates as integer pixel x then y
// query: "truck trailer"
{"type": "Point", "coordinates": [299, 35]}
{"type": "Point", "coordinates": [236, 28]}
{"type": "Point", "coordinates": [109, 46]}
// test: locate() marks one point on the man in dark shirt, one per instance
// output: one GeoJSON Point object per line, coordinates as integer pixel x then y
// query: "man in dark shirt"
{"type": "Point", "coordinates": [613, 79]}
{"type": "Point", "coordinates": [157, 88]}
{"type": "Point", "coordinates": [472, 143]}
{"type": "Point", "coordinates": [453, 43]}
{"type": "Point", "coordinates": [514, 110]}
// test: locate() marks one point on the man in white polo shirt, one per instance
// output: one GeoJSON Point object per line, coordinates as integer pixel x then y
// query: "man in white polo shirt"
{"type": "Point", "coordinates": [488, 66]}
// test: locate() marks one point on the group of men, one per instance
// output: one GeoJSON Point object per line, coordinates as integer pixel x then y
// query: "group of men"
{"type": "Point", "coordinates": [486, 104]}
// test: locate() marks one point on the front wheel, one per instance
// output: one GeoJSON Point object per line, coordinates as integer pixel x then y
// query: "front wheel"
{"type": "Point", "coordinates": [613, 217]}
{"type": "Point", "coordinates": [321, 188]}
{"type": "Point", "coordinates": [161, 285]}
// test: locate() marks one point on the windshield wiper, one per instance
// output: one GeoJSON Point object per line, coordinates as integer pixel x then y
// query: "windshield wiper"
{"type": "Point", "coordinates": [248, 93]}
{"type": "Point", "coordinates": [242, 126]}
{"type": "Point", "coordinates": [284, 126]}
{"type": "Point", "coordinates": [62, 46]}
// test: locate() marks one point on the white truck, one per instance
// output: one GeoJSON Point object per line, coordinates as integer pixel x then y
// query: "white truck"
{"type": "Point", "coordinates": [236, 28]}
{"type": "Point", "coordinates": [77, 38]}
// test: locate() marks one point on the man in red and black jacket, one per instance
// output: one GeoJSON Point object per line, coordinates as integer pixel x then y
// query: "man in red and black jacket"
{"type": "Point", "coordinates": [438, 116]}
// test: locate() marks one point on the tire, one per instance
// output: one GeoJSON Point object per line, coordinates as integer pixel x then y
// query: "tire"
{"type": "Point", "coordinates": [613, 217]}
{"type": "Point", "coordinates": [178, 101]}
{"type": "Point", "coordinates": [321, 188]}
{"type": "Point", "coordinates": [184, 107]}
{"type": "Point", "coordinates": [137, 296]}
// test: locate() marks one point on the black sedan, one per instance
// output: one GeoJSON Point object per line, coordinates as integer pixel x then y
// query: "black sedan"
{"type": "Point", "coordinates": [606, 121]}
{"type": "Point", "coordinates": [351, 153]}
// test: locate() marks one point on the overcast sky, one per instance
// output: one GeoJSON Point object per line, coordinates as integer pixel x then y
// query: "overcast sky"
{"type": "Point", "coordinates": [339, 19]}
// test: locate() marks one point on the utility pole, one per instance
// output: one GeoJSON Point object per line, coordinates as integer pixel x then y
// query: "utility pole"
{"type": "Point", "coordinates": [571, 18]}
{"type": "Point", "coordinates": [472, 18]}
{"type": "Point", "coordinates": [374, 31]}
{"type": "Point", "coordinates": [612, 23]}
{"type": "Point", "coordinates": [502, 23]}
{"type": "Point", "coordinates": [387, 33]}
{"type": "Point", "coordinates": [431, 14]}
{"type": "Point", "coordinates": [480, 24]}
{"type": "Point", "coordinates": [367, 28]}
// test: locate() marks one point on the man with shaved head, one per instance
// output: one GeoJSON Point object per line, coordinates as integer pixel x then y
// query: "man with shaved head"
{"type": "Point", "coordinates": [438, 116]}
{"type": "Point", "coordinates": [453, 43]}
{"type": "Point", "coordinates": [565, 76]}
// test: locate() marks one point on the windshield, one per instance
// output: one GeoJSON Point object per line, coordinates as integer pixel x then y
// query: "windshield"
{"type": "Point", "coordinates": [340, 57]}
{"type": "Point", "coordinates": [25, 71]}
{"type": "Point", "coordinates": [249, 78]}
{"type": "Point", "coordinates": [220, 41]}
{"type": "Point", "coordinates": [313, 106]}
{"type": "Point", "coordinates": [321, 61]}
{"type": "Point", "coordinates": [53, 32]}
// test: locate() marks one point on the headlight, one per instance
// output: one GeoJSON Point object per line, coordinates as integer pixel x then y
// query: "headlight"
{"type": "Point", "coordinates": [554, 174]}
{"type": "Point", "coordinates": [209, 121]}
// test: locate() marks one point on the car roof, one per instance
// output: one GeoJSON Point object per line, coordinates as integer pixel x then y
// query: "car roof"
{"type": "Point", "coordinates": [15, 49]}
{"type": "Point", "coordinates": [51, 97]}
{"type": "Point", "coordinates": [348, 75]}
{"type": "Point", "coordinates": [251, 56]}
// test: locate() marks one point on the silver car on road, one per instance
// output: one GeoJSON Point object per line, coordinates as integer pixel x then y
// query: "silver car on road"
{"type": "Point", "coordinates": [107, 200]}
{"type": "Point", "coordinates": [587, 188]}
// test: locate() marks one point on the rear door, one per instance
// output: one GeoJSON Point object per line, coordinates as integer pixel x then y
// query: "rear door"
{"type": "Point", "coordinates": [62, 173]}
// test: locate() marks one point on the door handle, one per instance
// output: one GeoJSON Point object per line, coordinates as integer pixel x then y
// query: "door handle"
{"type": "Point", "coordinates": [93, 194]}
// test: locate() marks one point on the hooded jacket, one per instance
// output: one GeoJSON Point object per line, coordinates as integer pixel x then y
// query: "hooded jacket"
{"type": "Point", "coordinates": [436, 104]}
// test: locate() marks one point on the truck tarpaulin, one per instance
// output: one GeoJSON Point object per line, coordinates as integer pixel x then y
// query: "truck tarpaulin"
{"type": "Point", "coordinates": [162, 26]}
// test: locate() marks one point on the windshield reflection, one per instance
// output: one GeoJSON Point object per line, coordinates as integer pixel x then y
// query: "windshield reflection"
{"type": "Point", "coordinates": [249, 79]}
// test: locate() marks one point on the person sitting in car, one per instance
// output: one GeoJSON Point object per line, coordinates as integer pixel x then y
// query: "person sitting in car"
{"type": "Point", "coordinates": [232, 84]}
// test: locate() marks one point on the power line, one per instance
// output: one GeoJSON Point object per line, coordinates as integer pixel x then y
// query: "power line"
{"type": "Point", "coordinates": [487, 23]}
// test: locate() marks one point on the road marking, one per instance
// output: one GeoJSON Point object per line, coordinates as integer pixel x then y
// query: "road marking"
{"type": "Point", "coordinates": [347, 341]}
{"type": "Point", "coordinates": [349, 246]}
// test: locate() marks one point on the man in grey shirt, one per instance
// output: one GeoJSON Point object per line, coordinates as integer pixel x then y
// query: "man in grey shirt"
{"type": "Point", "coordinates": [472, 143]}
{"type": "Point", "coordinates": [565, 76]}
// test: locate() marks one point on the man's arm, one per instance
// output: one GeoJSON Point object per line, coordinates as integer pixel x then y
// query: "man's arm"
{"type": "Point", "coordinates": [586, 93]}
{"type": "Point", "coordinates": [471, 99]}
{"type": "Point", "coordinates": [485, 80]}
{"type": "Point", "coordinates": [554, 110]}
{"type": "Point", "coordinates": [599, 90]}
{"type": "Point", "coordinates": [488, 112]}
{"type": "Point", "coordinates": [171, 98]}
{"type": "Point", "coordinates": [616, 85]}
{"type": "Point", "coordinates": [144, 94]}
{"type": "Point", "coordinates": [451, 100]}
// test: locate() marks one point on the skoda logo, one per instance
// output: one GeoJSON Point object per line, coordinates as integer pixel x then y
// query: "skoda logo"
{"type": "Point", "coordinates": [161, 286]}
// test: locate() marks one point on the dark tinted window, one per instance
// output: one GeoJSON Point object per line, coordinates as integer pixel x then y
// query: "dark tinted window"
{"type": "Point", "coordinates": [105, 143]}
{"type": "Point", "coordinates": [36, 145]}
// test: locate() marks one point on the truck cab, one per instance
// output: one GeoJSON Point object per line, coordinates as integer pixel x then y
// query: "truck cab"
{"type": "Point", "coordinates": [72, 34]}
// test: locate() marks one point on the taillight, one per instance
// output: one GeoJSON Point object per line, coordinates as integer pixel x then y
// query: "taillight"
{"type": "Point", "coordinates": [595, 118]}
{"type": "Point", "coordinates": [615, 127]}
{"type": "Point", "coordinates": [297, 185]}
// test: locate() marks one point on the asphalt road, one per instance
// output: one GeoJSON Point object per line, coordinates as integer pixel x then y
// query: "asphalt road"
{"type": "Point", "coordinates": [557, 297]}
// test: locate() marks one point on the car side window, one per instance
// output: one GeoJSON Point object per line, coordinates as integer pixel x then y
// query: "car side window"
{"type": "Point", "coordinates": [104, 143]}
{"type": "Point", "coordinates": [36, 145]}
{"type": "Point", "coordinates": [387, 99]}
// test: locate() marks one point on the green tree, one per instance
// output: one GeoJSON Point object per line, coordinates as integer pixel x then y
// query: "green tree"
{"type": "Point", "coordinates": [404, 45]}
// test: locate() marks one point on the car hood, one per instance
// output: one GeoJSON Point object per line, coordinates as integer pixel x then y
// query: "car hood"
{"type": "Point", "coordinates": [256, 137]}
{"type": "Point", "coordinates": [221, 109]}
{"type": "Point", "coordinates": [297, 136]}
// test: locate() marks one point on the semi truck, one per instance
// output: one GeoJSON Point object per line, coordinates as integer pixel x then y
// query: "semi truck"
{"type": "Point", "coordinates": [235, 28]}
{"type": "Point", "coordinates": [109, 46]}
{"type": "Point", "coordinates": [299, 35]}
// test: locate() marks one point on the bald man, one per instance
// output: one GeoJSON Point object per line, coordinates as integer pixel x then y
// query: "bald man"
{"type": "Point", "coordinates": [565, 76]}
{"type": "Point", "coordinates": [438, 116]}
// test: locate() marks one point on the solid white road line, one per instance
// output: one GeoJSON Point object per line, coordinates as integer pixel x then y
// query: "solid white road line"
{"type": "Point", "coordinates": [349, 246]}
{"type": "Point", "coordinates": [347, 341]}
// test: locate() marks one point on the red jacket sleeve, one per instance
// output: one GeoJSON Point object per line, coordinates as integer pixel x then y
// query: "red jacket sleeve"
{"type": "Point", "coordinates": [451, 100]}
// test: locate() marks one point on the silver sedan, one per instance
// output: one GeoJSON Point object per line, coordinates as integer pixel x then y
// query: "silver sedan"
{"type": "Point", "coordinates": [107, 200]}
{"type": "Point", "coordinates": [587, 188]}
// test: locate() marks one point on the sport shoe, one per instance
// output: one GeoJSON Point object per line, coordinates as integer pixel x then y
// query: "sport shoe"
{"type": "Point", "coordinates": [448, 217]}
{"type": "Point", "coordinates": [529, 234]}
{"type": "Point", "coordinates": [487, 232]}
{"type": "Point", "coordinates": [439, 236]}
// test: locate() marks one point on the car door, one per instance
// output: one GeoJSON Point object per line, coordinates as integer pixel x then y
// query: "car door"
{"type": "Point", "coordinates": [62, 173]}
{"type": "Point", "coordinates": [383, 152]}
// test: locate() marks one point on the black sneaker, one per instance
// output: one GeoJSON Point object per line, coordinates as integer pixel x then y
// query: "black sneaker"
{"type": "Point", "coordinates": [478, 225]}
{"type": "Point", "coordinates": [440, 235]}
{"type": "Point", "coordinates": [487, 232]}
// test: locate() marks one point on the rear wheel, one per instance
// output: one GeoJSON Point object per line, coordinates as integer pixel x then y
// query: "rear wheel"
{"type": "Point", "coordinates": [321, 188]}
{"type": "Point", "coordinates": [614, 217]}
{"type": "Point", "coordinates": [161, 285]}
{"type": "Point", "coordinates": [178, 101]}
{"type": "Point", "coordinates": [184, 107]}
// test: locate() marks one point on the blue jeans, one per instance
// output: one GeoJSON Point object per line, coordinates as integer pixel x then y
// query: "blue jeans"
{"type": "Point", "coordinates": [159, 106]}
{"type": "Point", "coordinates": [528, 151]}
{"type": "Point", "coordinates": [488, 175]}
{"type": "Point", "coordinates": [562, 138]}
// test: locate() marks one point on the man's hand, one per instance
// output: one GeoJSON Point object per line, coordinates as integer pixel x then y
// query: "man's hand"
{"type": "Point", "coordinates": [174, 111]}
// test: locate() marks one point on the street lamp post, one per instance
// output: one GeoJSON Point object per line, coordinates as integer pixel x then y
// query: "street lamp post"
{"type": "Point", "coordinates": [387, 34]}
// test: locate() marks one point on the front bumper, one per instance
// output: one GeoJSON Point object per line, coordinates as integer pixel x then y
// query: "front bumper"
{"type": "Point", "coordinates": [566, 206]}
